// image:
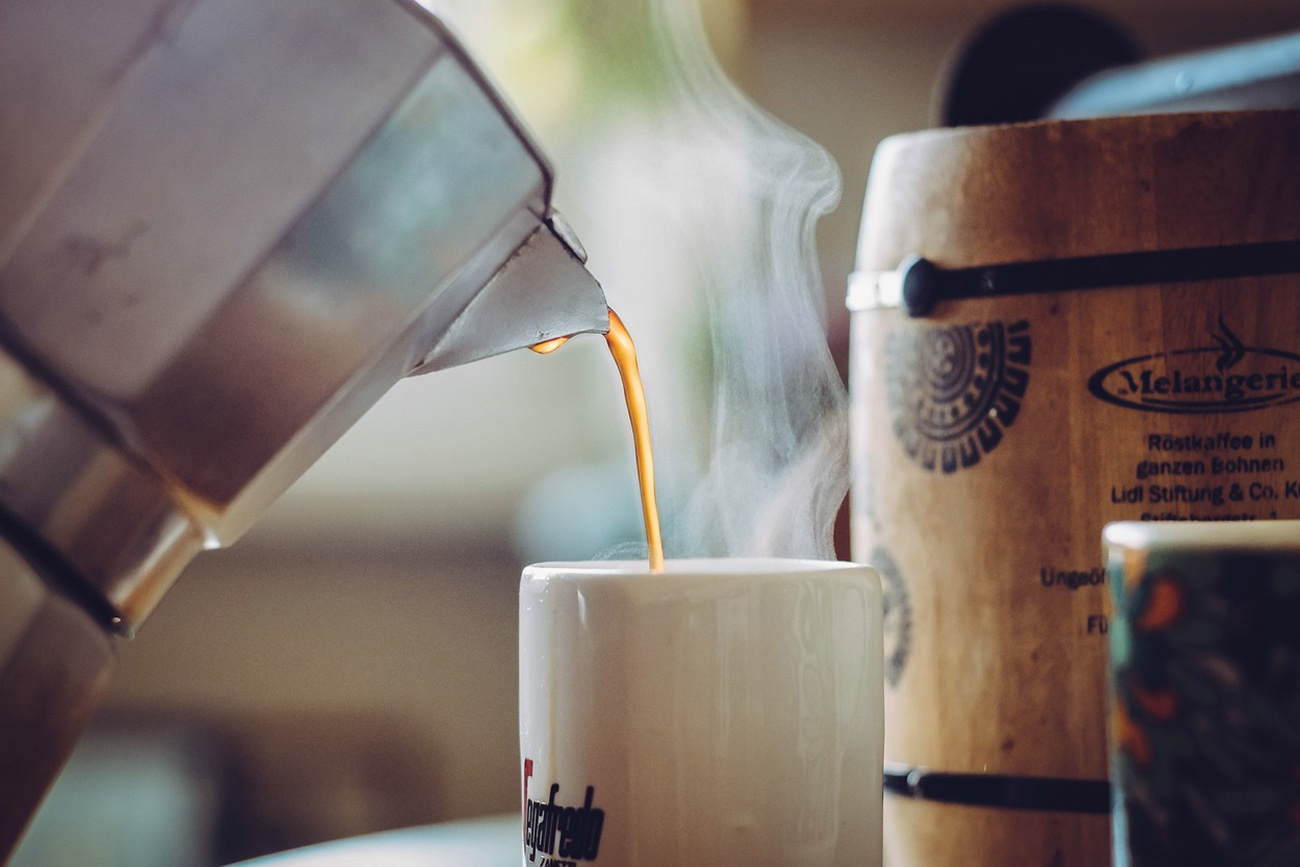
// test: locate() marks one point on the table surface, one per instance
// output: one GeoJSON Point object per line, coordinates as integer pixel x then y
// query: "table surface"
{"type": "Point", "coordinates": [493, 841]}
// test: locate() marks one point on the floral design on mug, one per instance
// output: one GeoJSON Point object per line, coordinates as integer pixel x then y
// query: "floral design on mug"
{"type": "Point", "coordinates": [1206, 712]}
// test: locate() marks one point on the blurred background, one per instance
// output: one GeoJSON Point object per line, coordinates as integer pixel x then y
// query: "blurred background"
{"type": "Point", "coordinates": [349, 666]}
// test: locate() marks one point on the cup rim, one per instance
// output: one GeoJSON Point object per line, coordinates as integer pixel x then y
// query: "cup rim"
{"type": "Point", "coordinates": [1203, 535]}
{"type": "Point", "coordinates": [699, 567]}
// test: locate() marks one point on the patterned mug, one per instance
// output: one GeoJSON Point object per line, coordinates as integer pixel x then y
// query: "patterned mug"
{"type": "Point", "coordinates": [1205, 693]}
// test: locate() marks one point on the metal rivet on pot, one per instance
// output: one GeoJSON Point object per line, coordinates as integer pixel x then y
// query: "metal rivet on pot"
{"type": "Point", "coordinates": [920, 285]}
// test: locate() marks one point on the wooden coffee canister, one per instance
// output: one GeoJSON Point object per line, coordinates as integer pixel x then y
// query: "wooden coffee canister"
{"type": "Point", "coordinates": [1056, 325]}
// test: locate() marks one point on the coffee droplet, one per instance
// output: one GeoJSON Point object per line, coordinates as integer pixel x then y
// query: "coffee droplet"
{"type": "Point", "coordinates": [624, 352]}
{"type": "Point", "coordinates": [546, 347]}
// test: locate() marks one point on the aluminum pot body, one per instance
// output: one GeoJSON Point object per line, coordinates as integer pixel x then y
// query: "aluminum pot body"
{"type": "Point", "coordinates": [226, 229]}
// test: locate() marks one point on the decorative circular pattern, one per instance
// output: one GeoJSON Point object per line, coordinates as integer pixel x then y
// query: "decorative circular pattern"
{"type": "Point", "coordinates": [898, 615]}
{"type": "Point", "coordinates": [953, 390]}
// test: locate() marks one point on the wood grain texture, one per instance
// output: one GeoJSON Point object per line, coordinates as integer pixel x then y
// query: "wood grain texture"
{"type": "Point", "coordinates": [1053, 189]}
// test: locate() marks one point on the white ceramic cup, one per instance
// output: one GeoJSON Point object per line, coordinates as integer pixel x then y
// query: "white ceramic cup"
{"type": "Point", "coordinates": [723, 712]}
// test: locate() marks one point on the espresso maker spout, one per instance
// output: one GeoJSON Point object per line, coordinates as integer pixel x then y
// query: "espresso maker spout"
{"type": "Point", "coordinates": [226, 229]}
{"type": "Point", "coordinates": [510, 312]}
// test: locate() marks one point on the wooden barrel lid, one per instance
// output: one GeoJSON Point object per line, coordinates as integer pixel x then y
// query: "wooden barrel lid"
{"type": "Point", "coordinates": [1048, 190]}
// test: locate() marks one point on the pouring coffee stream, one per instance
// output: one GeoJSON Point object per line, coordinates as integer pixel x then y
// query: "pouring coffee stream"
{"type": "Point", "coordinates": [624, 352]}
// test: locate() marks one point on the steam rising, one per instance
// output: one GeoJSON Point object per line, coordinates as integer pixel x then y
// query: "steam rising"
{"type": "Point", "coordinates": [778, 470]}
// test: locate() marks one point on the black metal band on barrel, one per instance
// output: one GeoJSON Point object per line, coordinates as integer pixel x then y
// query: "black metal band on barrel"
{"type": "Point", "coordinates": [1054, 794]}
{"type": "Point", "coordinates": [925, 284]}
